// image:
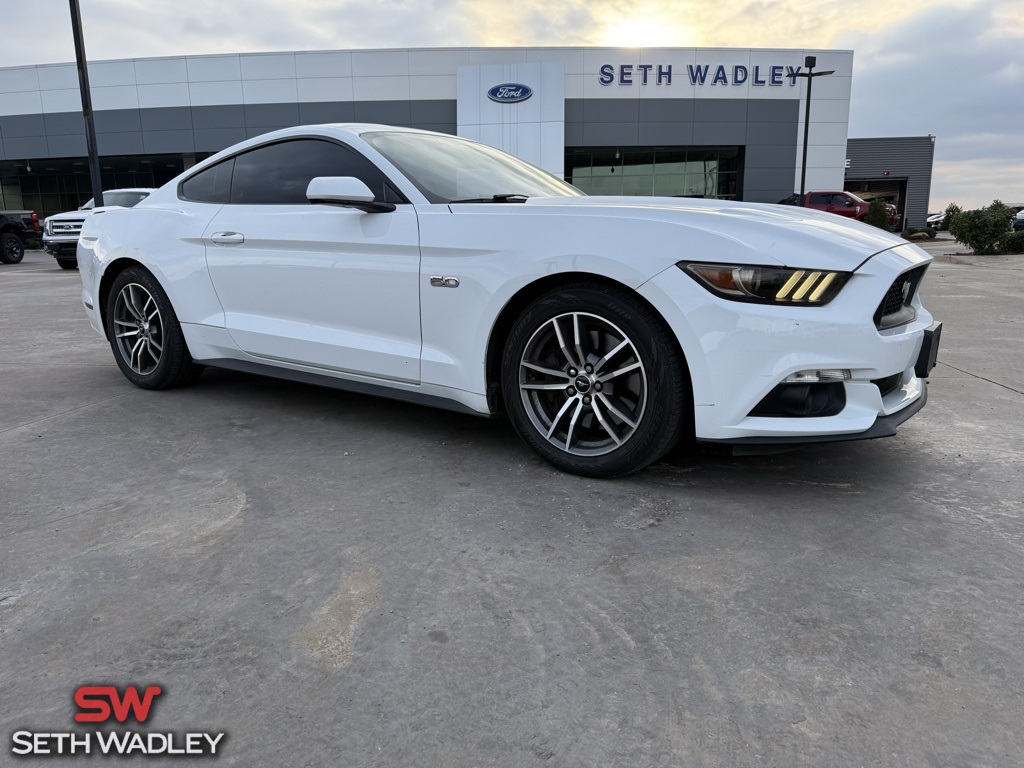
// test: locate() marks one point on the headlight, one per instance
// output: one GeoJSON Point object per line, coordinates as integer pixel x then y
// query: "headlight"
{"type": "Point", "coordinates": [47, 227]}
{"type": "Point", "coordinates": [768, 285]}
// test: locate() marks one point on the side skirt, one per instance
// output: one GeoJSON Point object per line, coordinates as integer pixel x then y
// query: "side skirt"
{"type": "Point", "coordinates": [331, 382]}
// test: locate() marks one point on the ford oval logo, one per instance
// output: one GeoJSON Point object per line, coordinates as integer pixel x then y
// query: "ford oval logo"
{"type": "Point", "coordinates": [509, 93]}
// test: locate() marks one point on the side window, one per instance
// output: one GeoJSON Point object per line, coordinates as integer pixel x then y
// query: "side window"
{"type": "Point", "coordinates": [841, 200]}
{"type": "Point", "coordinates": [212, 185]}
{"type": "Point", "coordinates": [278, 174]}
{"type": "Point", "coordinates": [820, 199]}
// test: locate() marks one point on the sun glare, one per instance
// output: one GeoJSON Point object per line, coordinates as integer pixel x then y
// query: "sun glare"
{"type": "Point", "coordinates": [644, 33]}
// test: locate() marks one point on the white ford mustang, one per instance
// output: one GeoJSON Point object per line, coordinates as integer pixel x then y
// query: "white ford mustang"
{"type": "Point", "coordinates": [429, 268]}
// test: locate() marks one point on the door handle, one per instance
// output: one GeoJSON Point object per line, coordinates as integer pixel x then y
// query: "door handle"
{"type": "Point", "coordinates": [227, 238]}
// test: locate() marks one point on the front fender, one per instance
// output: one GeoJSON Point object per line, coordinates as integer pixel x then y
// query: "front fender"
{"type": "Point", "coordinates": [498, 252]}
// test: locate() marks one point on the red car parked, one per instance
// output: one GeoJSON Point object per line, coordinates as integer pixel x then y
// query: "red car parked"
{"type": "Point", "coordinates": [842, 203]}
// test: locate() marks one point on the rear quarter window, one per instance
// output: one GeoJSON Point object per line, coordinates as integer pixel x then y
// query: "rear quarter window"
{"type": "Point", "coordinates": [210, 185]}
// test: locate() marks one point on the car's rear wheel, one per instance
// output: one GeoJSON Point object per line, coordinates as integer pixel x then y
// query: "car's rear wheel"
{"type": "Point", "coordinates": [12, 249]}
{"type": "Point", "coordinates": [145, 334]}
{"type": "Point", "coordinates": [594, 382]}
{"type": "Point", "coordinates": [67, 263]}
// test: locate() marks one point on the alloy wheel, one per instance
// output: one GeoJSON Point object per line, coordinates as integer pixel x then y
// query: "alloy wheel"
{"type": "Point", "coordinates": [583, 384]}
{"type": "Point", "coordinates": [138, 328]}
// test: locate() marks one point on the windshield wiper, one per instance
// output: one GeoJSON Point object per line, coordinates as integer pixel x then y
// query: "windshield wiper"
{"type": "Point", "coordinates": [511, 197]}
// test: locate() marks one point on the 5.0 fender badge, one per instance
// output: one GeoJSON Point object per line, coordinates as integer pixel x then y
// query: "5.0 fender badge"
{"type": "Point", "coordinates": [444, 282]}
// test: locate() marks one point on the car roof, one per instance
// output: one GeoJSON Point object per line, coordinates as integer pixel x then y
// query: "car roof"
{"type": "Point", "coordinates": [337, 130]}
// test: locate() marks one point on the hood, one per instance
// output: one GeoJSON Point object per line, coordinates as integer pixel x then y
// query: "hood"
{"type": "Point", "coordinates": [82, 215]}
{"type": "Point", "coordinates": [69, 216]}
{"type": "Point", "coordinates": [788, 235]}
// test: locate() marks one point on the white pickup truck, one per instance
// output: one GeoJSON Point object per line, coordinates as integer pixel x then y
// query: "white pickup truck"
{"type": "Point", "coordinates": [60, 232]}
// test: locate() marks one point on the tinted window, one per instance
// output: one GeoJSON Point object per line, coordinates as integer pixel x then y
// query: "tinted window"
{"type": "Point", "coordinates": [820, 199]}
{"type": "Point", "coordinates": [278, 174]}
{"type": "Point", "coordinates": [124, 199]}
{"type": "Point", "coordinates": [841, 200]}
{"type": "Point", "coordinates": [447, 168]}
{"type": "Point", "coordinates": [212, 185]}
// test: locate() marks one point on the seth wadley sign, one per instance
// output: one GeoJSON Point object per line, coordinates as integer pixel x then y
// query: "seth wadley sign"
{"type": "Point", "coordinates": [698, 74]}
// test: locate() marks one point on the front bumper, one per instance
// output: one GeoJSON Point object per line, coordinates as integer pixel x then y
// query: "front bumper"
{"type": "Point", "coordinates": [884, 426]}
{"type": "Point", "coordinates": [738, 353]}
{"type": "Point", "coordinates": [63, 246]}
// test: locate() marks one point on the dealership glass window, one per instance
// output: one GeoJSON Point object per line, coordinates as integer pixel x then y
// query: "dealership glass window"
{"type": "Point", "coordinates": [56, 185]}
{"type": "Point", "coordinates": [663, 171]}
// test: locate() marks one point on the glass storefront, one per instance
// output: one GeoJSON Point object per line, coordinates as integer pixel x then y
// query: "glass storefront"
{"type": "Point", "coordinates": [58, 185]}
{"type": "Point", "coordinates": [662, 171]}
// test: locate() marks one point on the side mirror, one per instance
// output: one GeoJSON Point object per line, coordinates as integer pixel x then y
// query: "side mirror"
{"type": "Point", "coordinates": [346, 191]}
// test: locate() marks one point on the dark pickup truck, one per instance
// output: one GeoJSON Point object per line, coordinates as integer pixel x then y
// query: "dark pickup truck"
{"type": "Point", "coordinates": [15, 228]}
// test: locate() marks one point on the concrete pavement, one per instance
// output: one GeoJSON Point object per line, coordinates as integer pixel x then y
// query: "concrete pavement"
{"type": "Point", "coordinates": [337, 580]}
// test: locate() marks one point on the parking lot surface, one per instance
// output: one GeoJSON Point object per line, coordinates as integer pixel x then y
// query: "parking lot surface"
{"type": "Point", "coordinates": [338, 580]}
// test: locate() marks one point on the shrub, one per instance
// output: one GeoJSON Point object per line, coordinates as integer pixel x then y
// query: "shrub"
{"type": "Point", "coordinates": [1014, 243]}
{"type": "Point", "coordinates": [983, 230]}
{"type": "Point", "coordinates": [877, 215]}
{"type": "Point", "coordinates": [952, 211]}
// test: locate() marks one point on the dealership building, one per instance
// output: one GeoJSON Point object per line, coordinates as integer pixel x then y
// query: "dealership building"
{"type": "Point", "coordinates": [687, 122]}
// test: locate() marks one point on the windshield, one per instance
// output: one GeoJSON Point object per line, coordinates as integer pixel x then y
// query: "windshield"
{"type": "Point", "coordinates": [447, 169]}
{"type": "Point", "coordinates": [124, 199]}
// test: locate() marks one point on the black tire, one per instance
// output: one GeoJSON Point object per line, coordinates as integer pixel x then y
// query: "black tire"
{"type": "Point", "coordinates": [639, 402]}
{"type": "Point", "coordinates": [67, 263]}
{"type": "Point", "coordinates": [162, 357]}
{"type": "Point", "coordinates": [12, 248]}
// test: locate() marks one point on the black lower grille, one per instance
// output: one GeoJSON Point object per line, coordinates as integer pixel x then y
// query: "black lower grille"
{"type": "Point", "coordinates": [895, 308]}
{"type": "Point", "coordinates": [888, 384]}
{"type": "Point", "coordinates": [802, 400]}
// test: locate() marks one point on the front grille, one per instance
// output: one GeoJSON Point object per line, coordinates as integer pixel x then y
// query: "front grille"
{"type": "Point", "coordinates": [895, 308]}
{"type": "Point", "coordinates": [65, 227]}
{"type": "Point", "coordinates": [888, 384]}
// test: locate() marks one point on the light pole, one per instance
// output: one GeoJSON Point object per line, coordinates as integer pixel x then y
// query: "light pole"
{"type": "Point", "coordinates": [90, 125]}
{"type": "Point", "coordinates": [810, 74]}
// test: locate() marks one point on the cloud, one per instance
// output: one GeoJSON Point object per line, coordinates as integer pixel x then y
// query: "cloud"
{"type": "Point", "coordinates": [954, 73]}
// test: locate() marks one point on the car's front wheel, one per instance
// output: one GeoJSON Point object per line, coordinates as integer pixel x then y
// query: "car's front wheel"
{"type": "Point", "coordinates": [594, 382]}
{"type": "Point", "coordinates": [67, 263]}
{"type": "Point", "coordinates": [145, 334]}
{"type": "Point", "coordinates": [12, 249]}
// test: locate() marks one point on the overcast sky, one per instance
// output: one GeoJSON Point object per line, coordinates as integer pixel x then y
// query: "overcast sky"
{"type": "Point", "coordinates": [953, 68]}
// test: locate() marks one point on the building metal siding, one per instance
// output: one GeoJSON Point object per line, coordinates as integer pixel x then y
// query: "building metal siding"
{"type": "Point", "coordinates": [767, 129]}
{"type": "Point", "coordinates": [904, 157]}
{"type": "Point", "coordinates": [165, 130]}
